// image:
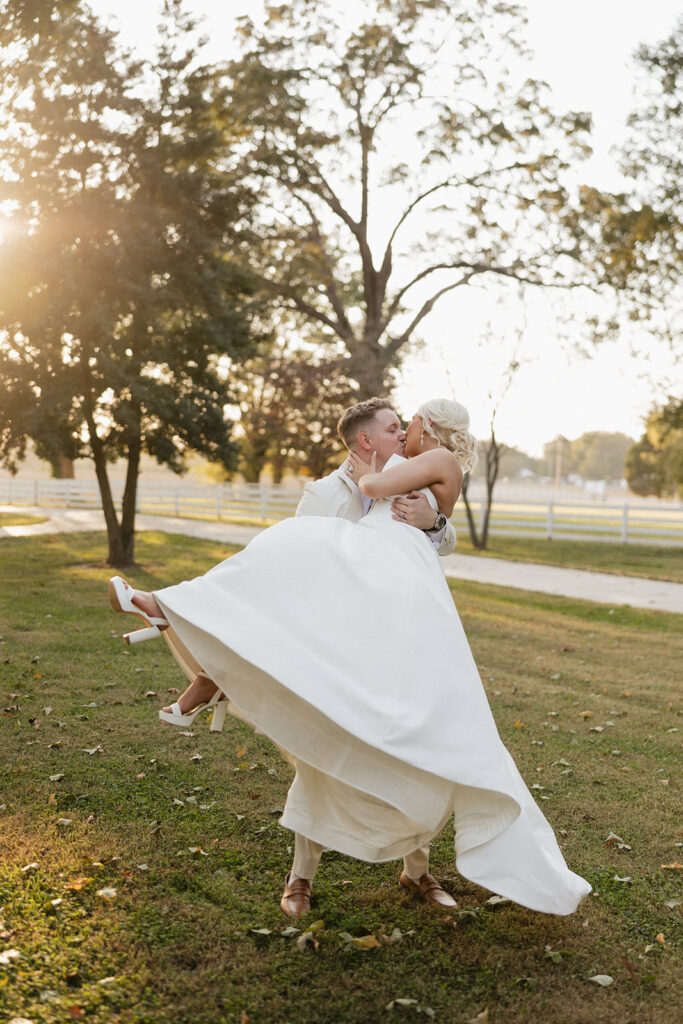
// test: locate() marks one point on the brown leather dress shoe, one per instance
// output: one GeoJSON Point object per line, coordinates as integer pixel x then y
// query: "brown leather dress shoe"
{"type": "Point", "coordinates": [296, 899]}
{"type": "Point", "coordinates": [429, 890]}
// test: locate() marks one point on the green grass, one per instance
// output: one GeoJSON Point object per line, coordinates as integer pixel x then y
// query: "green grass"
{"type": "Point", "coordinates": [19, 519]}
{"type": "Point", "coordinates": [647, 560]}
{"type": "Point", "coordinates": [177, 942]}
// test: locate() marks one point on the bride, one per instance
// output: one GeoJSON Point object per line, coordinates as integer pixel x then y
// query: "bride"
{"type": "Point", "coordinates": [341, 643]}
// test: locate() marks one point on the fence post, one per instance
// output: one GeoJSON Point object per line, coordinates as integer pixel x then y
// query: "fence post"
{"type": "Point", "coordinates": [219, 489]}
{"type": "Point", "coordinates": [549, 522]}
{"type": "Point", "coordinates": [264, 500]}
{"type": "Point", "coordinates": [624, 523]}
{"type": "Point", "coordinates": [35, 492]}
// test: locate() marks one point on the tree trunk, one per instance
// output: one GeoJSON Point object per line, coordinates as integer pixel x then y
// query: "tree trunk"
{"type": "Point", "coordinates": [128, 506]}
{"type": "Point", "coordinates": [472, 526]}
{"type": "Point", "coordinates": [62, 468]}
{"type": "Point", "coordinates": [117, 554]}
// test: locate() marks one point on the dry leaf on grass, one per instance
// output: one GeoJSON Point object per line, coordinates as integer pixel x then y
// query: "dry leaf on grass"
{"type": "Point", "coordinates": [602, 979]}
{"type": "Point", "coordinates": [363, 942]}
{"type": "Point", "coordinates": [107, 893]}
{"type": "Point", "coordinates": [76, 884]}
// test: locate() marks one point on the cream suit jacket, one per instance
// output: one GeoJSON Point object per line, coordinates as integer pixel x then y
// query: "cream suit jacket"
{"type": "Point", "coordinates": [336, 495]}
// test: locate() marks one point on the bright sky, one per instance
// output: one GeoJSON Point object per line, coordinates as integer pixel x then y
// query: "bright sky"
{"type": "Point", "coordinates": [583, 50]}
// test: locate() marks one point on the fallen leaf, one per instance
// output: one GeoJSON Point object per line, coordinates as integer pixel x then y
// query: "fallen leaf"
{"type": "Point", "coordinates": [261, 931]}
{"type": "Point", "coordinates": [626, 878]}
{"type": "Point", "coordinates": [602, 979]}
{"type": "Point", "coordinates": [76, 884]}
{"type": "Point", "coordinates": [660, 938]}
{"type": "Point", "coordinates": [63, 823]}
{"type": "Point", "coordinates": [107, 893]}
{"type": "Point", "coordinates": [396, 936]}
{"type": "Point", "coordinates": [93, 750]}
{"type": "Point", "coordinates": [196, 757]}
{"type": "Point", "coordinates": [585, 714]}
{"type": "Point", "coordinates": [496, 901]}
{"type": "Point", "coordinates": [30, 867]}
{"type": "Point", "coordinates": [519, 724]}
{"type": "Point", "coordinates": [57, 778]}
{"type": "Point", "coordinates": [481, 1018]}
{"type": "Point", "coordinates": [671, 904]}
{"type": "Point", "coordinates": [614, 840]}
{"type": "Point", "coordinates": [360, 941]}
{"type": "Point", "coordinates": [672, 867]}
{"type": "Point", "coordinates": [401, 1002]}
{"type": "Point", "coordinates": [287, 933]}
{"type": "Point", "coordinates": [9, 954]}
{"type": "Point", "coordinates": [631, 968]}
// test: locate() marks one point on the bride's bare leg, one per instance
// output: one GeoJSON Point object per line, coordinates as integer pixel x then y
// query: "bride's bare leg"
{"type": "Point", "coordinates": [148, 604]}
{"type": "Point", "coordinates": [200, 690]}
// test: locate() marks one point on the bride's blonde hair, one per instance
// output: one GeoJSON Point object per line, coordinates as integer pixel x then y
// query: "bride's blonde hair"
{"type": "Point", "coordinates": [448, 422]}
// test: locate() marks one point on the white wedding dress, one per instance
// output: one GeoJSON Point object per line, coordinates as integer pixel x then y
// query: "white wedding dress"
{"type": "Point", "coordinates": [341, 643]}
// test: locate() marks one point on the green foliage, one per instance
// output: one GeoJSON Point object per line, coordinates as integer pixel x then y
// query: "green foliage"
{"type": "Point", "coordinates": [474, 192]}
{"type": "Point", "coordinates": [639, 237]}
{"type": "Point", "coordinates": [119, 298]}
{"type": "Point", "coordinates": [595, 455]}
{"type": "Point", "coordinates": [290, 401]}
{"type": "Point", "coordinates": [654, 464]}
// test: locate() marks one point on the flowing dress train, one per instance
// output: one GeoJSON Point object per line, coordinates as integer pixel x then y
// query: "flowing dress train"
{"type": "Point", "coordinates": [341, 643]}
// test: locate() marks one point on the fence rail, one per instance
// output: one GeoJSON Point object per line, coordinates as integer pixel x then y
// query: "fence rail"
{"type": "Point", "coordinates": [617, 522]}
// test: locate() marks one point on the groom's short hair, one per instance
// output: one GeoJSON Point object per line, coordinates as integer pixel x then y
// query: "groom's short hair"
{"type": "Point", "coordinates": [358, 417]}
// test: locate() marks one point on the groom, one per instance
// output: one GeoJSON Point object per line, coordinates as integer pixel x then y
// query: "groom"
{"type": "Point", "coordinates": [370, 426]}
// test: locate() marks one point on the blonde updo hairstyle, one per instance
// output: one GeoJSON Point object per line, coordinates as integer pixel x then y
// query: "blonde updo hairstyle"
{"type": "Point", "coordinates": [448, 423]}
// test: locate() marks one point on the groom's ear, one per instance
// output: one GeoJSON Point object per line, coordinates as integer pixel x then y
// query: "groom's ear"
{"type": "Point", "coordinates": [364, 442]}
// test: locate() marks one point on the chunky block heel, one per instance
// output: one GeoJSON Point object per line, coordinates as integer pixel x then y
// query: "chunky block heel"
{"type": "Point", "coordinates": [218, 716]}
{"type": "Point", "coordinates": [121, 599]}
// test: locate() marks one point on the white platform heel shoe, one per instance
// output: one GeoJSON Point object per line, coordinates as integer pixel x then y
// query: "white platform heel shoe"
{"type": "Point", "coordinates": [121, 600]}
{"type": "Point", "coordinates": [176, 717]}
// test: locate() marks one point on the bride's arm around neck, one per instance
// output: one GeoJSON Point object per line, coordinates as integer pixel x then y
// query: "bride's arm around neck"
{"type": "Point", "coordinates": [437, 468]}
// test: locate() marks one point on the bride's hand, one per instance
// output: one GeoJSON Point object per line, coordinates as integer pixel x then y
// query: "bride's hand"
{"type": "Point", "coordinates": [357, 469]}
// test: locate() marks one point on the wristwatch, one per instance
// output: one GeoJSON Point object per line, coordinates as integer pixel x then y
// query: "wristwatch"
{"type": "Point", "coordinates": [439, 523]}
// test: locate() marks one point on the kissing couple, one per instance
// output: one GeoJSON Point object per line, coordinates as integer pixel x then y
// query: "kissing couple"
{"type": "Point", "coordinates": [334, 633]}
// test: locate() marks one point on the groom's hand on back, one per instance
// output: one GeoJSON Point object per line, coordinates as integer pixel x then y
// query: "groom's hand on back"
{"type": "Point", "coordinates": [414, 509]}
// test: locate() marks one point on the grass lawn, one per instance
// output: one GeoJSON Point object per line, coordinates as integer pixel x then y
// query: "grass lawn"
{"type": "Point", "coordinates": [140, 882]}
{"type": "Point", "coordinates": [19, 519]}
{"type": "Point", "coordinates": [658, 563]}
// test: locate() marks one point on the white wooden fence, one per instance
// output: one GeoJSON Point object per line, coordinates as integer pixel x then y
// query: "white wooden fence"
{"type": "Point", "coordinates": [620, 522]}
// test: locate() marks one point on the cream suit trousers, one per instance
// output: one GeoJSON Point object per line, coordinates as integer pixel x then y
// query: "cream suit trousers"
{"type": "Point", "coordinates": [307, 857]}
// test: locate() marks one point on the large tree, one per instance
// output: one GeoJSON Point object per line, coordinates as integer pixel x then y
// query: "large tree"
{"type": "Point", "coordinates": [119, 303]}
{"type": "Point", "coordinates": [398, 160]}
{"type": "Point", "coordinates": [654, 464]}
{"type": "Point", "coordinates": [637, 236]}
{"type": "Point", "coordinates": [290, 400]}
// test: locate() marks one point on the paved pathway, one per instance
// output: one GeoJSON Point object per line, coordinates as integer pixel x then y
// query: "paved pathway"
{"type": "Point", "coordinates": [602, 587]}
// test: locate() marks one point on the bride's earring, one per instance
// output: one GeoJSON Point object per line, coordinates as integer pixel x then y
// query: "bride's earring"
{"type": "Point", "coordinates": [422, 438]}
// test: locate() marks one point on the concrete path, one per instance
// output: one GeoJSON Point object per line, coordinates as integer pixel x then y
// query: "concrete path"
{"type": "Point", "coordinates": [605, 588]}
